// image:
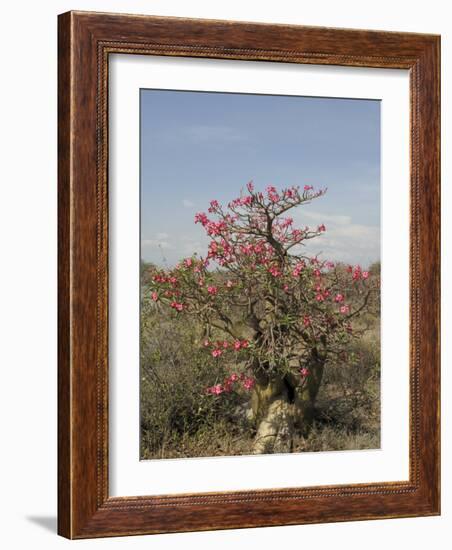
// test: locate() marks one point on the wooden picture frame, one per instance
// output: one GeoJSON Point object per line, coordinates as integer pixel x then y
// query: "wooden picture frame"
{"type": "Point", "coordinates": [86, 40]}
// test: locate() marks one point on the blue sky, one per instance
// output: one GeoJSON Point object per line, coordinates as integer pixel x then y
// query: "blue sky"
{"type": "Point", "coordinates": [198, 146]}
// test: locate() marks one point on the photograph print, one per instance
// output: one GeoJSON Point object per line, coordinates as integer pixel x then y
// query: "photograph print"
{"type": "Point", "coordinates": [260, 274]}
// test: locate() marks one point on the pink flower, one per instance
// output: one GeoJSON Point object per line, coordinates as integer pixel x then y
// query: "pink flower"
{"type": "Point", "coordinates": [214, 205]}
{"type": "Point", "coordinates": [155, 296]}
{"type": "Point", "coordinates": [298, 269]}
{"type": "Point", "coordinates": [274, 271]}
{"type": "Point", "coordinates": [217, 352]}
{"type": "Point", "coordinates": [316, 272]}
{"type": "Point", "coordinates": [248, 383]}
{"type": "Point", "coordinates": [206, 343]}
{"type": "Point", "coordinates": [201, 218]}
{"type": "Point", "coordinates": [365, 274]}
{"type": "Point", "coordinates": [250, 186]}
{"type": "Point", "coordinates": [234, 377]}
{"type": "Point", "coordinates": [321, 228]}
{"type": "Point", "coordinates": [212, 290]}
{"type": "Point", "coordinates": [308, 187]}
{"type": "Point", "coordinates": [319, 297]}
{"type": "Point", "coordinates": [244, 343]}
{"type": "Point", "coordinates": [215, 228]}
{"type": "Point", "coordinates": [304, 372]}
{"type": "Point", "coordinates": [339, 298]}
{"type": "Point", "coordinates": [177, 306]}
{"type": "Point", "coordinates": [306, 320]}
{"type": "Point", "coordinates": [286, 223]}
{"type": "Point", "coordinates": [344, 309]}
{"type": "Point", "coordinates": [225, 344]}
{"type": "Point", "coordinates": [237, 345]}
{"type": "Point", "coordinates": [188, 262]}
{"type": "Point", "coordinates": [215, 390]}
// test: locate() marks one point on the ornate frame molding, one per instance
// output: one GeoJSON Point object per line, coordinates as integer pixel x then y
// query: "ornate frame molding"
{"type": "Point", "coordinates": [85, 42]}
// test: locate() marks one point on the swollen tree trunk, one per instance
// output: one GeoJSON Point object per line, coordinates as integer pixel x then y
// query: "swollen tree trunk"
{"type": "Point", "coordinates": [281, 406]}
{"type": "Point", "coordinates": [274, 416]}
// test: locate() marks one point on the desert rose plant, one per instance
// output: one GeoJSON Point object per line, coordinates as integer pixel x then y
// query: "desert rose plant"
{"type": "Point", "coordinates": [273, 313]}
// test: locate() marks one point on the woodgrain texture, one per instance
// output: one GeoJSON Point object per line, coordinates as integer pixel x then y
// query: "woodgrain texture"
{"type": "Point", "coordinates": [85, 42]}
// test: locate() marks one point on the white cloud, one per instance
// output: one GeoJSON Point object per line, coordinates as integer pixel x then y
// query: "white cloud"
{"type": "Point", "coordinates": [343, 240]}
{"type": "Point", "coordinates": [335, 219]}
{"type": "Point", "coordinates": [187, 203]}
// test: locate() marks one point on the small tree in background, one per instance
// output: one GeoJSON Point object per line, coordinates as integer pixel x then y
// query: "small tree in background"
{"type": "Point", "coordinates": [274, 314]}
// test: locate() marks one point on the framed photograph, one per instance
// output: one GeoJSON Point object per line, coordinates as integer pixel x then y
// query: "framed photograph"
{"type": "Point", "coordinates": [248, 275]}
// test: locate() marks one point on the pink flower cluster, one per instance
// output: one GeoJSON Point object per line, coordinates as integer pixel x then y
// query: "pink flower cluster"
{"type": "Point", "coordinates": [298, 269]}
{"type": "Point", "coordinates": [213, 228]}
{"type": "Point", "coordinates": [272, 193]}
{"type": "Point", "coordinates": [220, 346]}
{"type": "Point", "coordinates": [358, 273]}
{"type": "Point", "coordinates": [248, 383]}
{"type": "Point", "coordinates": [287, 222]}
{"type": "Point", "coordinates": [247, 200]}
{"type": "Point", "coordinates": [229, 383]}
{"type": "Point", "coordinates": [214, 206]}
{"type": "Point", "coordinates": [201, 218]}
{"type": "Point", "coordinates": [321, 294]}
{"type": "Point", "coordinates": [159, 278]}
{"type": "Point", "coordinates": [275, 271]}
{"type": "Point", "coordinates": [215, 390]}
